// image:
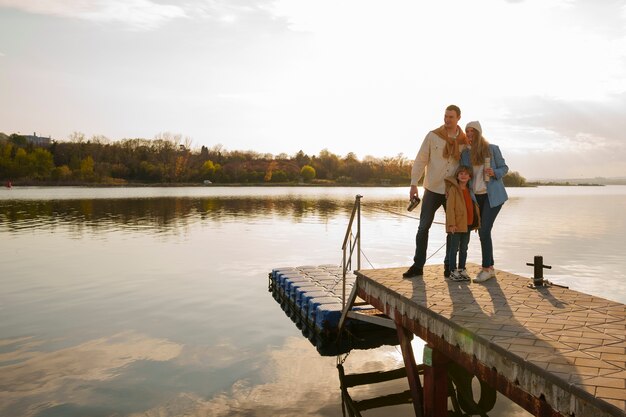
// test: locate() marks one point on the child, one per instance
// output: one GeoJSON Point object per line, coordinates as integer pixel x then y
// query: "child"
{"type": "Point", "coordinates": [461, 218]}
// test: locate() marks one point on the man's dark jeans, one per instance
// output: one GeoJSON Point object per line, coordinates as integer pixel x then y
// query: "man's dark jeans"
{"type": "Point", "coordinates": [430, 204]}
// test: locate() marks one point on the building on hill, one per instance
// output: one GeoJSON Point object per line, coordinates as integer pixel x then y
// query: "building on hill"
{"type": "Point", "coordinates": [38, 140]}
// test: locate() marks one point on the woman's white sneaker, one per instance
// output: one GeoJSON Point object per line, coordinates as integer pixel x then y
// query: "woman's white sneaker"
{"type": "Point", "coordinates": [484, 275]}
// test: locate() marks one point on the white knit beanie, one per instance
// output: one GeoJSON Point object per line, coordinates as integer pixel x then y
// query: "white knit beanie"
{"type": "Point", "coordinates": [476, 126]}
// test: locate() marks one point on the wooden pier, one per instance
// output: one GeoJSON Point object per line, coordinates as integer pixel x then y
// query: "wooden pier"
{"type": "Point", "coordinates": [552, 350]}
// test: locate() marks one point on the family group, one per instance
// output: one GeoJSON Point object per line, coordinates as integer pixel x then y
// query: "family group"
{"type": "Point", "coordinates": [463, 173]}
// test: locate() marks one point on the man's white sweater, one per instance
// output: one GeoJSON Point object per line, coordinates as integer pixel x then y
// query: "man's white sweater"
{"type": "Point", "coordinates": [430, 159]}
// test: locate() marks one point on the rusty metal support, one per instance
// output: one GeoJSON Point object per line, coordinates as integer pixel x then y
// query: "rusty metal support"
{"type": "Point", "coordinates": [415, 386]}
{"type": "Point", "coordinates": [435, 383]}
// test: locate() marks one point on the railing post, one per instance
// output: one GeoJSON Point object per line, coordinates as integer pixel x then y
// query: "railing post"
{"type": "Point", "coordinates": [343, 290]}
{"type": "Point", "coordinates": [358, 232]}
{"type": "Point", "coordinates": [347, 242]}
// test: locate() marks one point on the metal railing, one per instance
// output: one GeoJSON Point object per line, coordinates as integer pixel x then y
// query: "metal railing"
{"type": "Point", "coordinates": [350, 242]}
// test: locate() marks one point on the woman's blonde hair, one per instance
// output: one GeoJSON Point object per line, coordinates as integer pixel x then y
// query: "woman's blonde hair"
{"type": "Point", "coordinates": [480, 149]}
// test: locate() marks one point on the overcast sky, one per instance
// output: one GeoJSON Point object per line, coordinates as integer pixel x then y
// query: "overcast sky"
{"type": "Point", "coordinates": [546, 79]}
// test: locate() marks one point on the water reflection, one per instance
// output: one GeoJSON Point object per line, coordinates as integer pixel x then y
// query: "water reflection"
{"type": "Point", "coordinates": [159, 213]}
{"type": "Point", "coordinates": [63, 376]}
{"type": "Point", "coordinates": [137, 375]}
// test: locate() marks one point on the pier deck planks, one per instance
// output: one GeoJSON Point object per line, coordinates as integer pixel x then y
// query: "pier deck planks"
{"type": "Point", "coordinates": [553, 343]}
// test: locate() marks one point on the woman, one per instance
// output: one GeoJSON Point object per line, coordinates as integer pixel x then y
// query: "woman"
{"type": "Point", "coordinates": [489, 167]}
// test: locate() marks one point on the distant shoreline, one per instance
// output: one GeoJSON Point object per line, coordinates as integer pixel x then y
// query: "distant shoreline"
{"type": "Point", "coordinates": [321, 184]}
{"type": "Point", "coordinates": [565, 184]}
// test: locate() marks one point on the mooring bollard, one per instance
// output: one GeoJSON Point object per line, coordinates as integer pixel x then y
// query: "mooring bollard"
{"type": "Point", "coordinates": [538, 271]}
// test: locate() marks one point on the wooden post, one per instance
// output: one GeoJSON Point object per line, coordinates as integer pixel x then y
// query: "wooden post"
{"type": "Point", "coordinates": [435, 383]}
{"type": "Point", "coordinates": [405, 336]}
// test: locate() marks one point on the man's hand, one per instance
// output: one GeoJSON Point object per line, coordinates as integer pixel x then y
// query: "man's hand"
{"type": "Point", "coordinates": [413, 192]}
{"type": "Point", "coordinates": [452, 229]}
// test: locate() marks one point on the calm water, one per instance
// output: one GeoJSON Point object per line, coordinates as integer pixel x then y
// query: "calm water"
{"type": "Point", "coordinates": [154, 302]}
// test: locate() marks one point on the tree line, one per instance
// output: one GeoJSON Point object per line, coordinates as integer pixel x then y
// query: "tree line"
{"type": "Point", "coordinates": [169, 159]}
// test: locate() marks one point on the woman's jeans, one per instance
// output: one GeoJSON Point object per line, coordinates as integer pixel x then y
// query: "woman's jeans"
{"type": "Point", "coordinates": [487, 218]}
{"type": "Point", "coordinates": [457, 242]}
{"type": "Point", "coordinates": [430, 203]}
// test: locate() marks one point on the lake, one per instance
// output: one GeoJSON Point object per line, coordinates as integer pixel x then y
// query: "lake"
{"type": "Point", "coordinates": [154, 301]}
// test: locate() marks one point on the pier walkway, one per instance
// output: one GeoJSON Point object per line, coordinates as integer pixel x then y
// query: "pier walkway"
{"type": "Point", "coordinates": [552, 350]}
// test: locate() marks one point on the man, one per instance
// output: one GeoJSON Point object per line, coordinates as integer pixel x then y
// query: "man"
{"type": "Point", "coordinates": [439, 156]}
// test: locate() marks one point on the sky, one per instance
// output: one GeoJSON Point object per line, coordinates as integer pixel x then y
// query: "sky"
{"type": "Point", "coordinates": [546, 79]}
